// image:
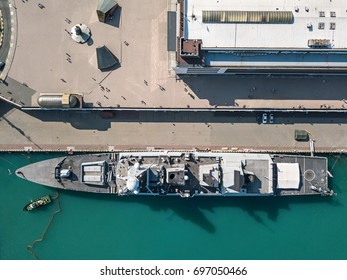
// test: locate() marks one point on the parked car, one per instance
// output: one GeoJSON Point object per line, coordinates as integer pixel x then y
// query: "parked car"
{"type": "Point", "coordinates": [264, 118]}
{"type": "Point", "coordinates": [272, 118]}
{"type": "Point", "coordinates": [2, 65]}
{"type": "Point", "coordinates": [259, 119]}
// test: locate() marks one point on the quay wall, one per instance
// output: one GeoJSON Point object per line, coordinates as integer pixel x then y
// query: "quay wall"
{"type": "Point", "coordinates": [103, 149]}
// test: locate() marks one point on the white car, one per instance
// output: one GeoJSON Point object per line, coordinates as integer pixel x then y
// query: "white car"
{"type": "Point", "coordinates": [264, 118]}
{"type": "Point", "coordinates": [272, 118]}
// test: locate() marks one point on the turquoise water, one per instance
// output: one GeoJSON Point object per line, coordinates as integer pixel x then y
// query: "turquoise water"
{"type": "Point", "coordinates": [95, 226]}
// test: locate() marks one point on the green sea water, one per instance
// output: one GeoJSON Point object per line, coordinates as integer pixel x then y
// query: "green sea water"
{"type": "Point", "coordinates": [96, 226]}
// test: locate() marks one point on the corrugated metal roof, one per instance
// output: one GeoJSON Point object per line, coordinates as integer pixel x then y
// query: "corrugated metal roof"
{"type": "Point", "coordinates": [247, 17]}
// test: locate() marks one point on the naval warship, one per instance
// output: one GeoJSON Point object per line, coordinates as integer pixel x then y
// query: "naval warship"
{"type": "Point", "coordinates": [183, 173]}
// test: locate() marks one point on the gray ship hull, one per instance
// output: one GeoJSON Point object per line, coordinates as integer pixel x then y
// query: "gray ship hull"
{"type": "Point", "coordinates": [185, 174]}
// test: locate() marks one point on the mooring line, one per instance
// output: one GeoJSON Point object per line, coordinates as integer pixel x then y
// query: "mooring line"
{"type": "Point", "coordinates": [336, 161]}
{"type": "Point", "coordinates": [30, 247]}
{"type": "Point", "coordinates": [8, 161]}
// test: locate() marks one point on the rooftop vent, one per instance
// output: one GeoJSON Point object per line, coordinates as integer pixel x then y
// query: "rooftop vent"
{"type": "Point", "coordinates": [332, 25]}
{"type": "Point", "coordinates": [321, 14]}
{"type": "Point", "coordinates": [321, 25]}
{"type": "Point", "coordinates": [284, 17]}
{"type": "Point", "coordinates": [319, 43]}
{"type": "Point", "coordinates": [332, 14]}
{"type": "Point", "coordinates": [190, 47]}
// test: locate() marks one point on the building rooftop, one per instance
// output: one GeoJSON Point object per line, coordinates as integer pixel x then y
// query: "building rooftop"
{"type": "Point", "coordinates": [243, 29]}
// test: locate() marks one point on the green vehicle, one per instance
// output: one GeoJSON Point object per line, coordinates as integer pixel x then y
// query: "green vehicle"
{"type": "Point", "coordinates": [301, 135]}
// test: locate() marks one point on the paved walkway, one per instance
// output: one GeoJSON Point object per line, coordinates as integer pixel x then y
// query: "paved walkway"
{"type": "Point", "coordinates": [139, 40]}
{"type": "Point", "coordinates": [62, 130]}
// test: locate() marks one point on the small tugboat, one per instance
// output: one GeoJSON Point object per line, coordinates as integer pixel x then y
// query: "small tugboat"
{"type": "Point", "coordinates": [37, 203]}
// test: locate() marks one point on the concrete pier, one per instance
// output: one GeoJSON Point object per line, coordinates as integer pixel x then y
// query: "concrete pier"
{"type": "Point", "coordinates": [235, 131]}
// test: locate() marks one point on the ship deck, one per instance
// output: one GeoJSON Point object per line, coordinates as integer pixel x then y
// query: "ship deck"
{"type": "Point", "coordinates": [201, 179]}
{"type": "Point", "coordinates": [37, 173]}
{"type": "Point", "coordinates": [313, 172]}
{"type": "Point", "coordinates": [258, 165]}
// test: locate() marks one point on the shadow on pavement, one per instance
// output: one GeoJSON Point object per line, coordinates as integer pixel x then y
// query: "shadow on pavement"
{"type": "Point", "coordinates": [90, 41]}
{"type": "Point", "coordinates": [102, 120]}
{"type": "Point", "coordinates": [5, 107]}
{"type": "Point", "coordinates": [224, 90]}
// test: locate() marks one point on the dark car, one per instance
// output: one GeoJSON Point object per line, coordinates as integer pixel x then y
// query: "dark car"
{"type": "Point", "coordinates": [259, 119]}
{"type": "Point", "coordinates": [2, 65]}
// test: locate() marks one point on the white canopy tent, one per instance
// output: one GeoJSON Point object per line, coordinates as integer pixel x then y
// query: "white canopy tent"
{"type": "Point", "coordinates": [288, 176]}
